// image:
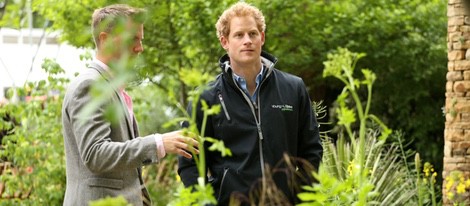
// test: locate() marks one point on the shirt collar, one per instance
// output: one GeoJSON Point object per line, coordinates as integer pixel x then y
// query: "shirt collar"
{"type": "Point", "coordinates": [101, 64]}
{"type": "Point", "coordinates": [259, 77]}
{"type": "Point", "coordinates": [107, 69]}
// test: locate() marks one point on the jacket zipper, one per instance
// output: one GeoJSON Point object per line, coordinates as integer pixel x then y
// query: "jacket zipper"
{"type": "Point", "coordinates": [258, 125]}
{"type": "Point", "coordinates": [257, 115]}
{"type": "Point", "coordinates": [261, 156]}
{"type": "Point", "coordinates": [224, 107]}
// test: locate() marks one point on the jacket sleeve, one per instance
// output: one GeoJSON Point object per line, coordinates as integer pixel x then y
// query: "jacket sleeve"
{"type": "Point", "coordinates": [310, 147]}
{"type": "Point", "coordinates": [104, 147]}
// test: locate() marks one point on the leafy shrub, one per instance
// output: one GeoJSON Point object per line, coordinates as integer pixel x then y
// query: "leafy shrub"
{"type": "Point", "coordinates": [364, 170]}
{"type": "Point", "coordinates": [34, 148]}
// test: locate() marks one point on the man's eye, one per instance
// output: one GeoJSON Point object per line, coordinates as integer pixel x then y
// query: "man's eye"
{"type": "Point", "coordinates": [238, 35]}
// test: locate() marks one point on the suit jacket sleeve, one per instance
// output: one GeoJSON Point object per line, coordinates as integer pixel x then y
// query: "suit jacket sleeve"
{"type": "Point", "coordinates": [104, 147]}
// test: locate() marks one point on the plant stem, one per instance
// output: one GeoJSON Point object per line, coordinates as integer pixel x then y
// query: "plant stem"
{"type": "Point", "coordinates": [418, 178]}
{"type": "Point", "coordinates": [202, 156]}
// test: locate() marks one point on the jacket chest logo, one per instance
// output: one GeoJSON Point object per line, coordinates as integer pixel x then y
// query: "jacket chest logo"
{"type": "Point", "coordinates": [283, 107]}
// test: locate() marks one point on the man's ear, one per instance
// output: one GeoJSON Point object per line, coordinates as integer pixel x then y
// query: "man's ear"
{"type": "Point", "coordinates": [262, 38]}
{"type": "Point", "coordinates": [102, 37]}
{"type": "Point", "coordinates": [224, 42]}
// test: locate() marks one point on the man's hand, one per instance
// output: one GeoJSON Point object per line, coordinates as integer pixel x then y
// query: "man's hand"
{"type": "Point", "coordinates": [176, 143]}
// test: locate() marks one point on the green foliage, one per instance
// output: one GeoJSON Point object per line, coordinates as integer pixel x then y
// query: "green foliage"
{"type": "Point", "coordinates": [364, 170]}
{"type": "Point", "coordinates": [333, 191]}
{"type": "Point", "coordinates": [425, 183]}
{"type": "Point", "coordinates": [35, 147]}
{"type": "Point", "coordinates": [218, 146]}
{"type": "Point", "coordinates": [162, 180]}
{"type": "Point", "coordinates": [406, 50]}
{"type": "Point", "coordinates": [110, 201]}
{"type": "Point", "coordinates": [15, 15]}
{"type": "Point", "coordinates": [151, 110]}
{"type": "Point", "coordinates": [71, 17]}
{"type": "Point", "coordinates": [341, 65]}
{"type": "Point", "coordinates": [201, 193]}
{"type": "Point", "coordinates": [384, 181]}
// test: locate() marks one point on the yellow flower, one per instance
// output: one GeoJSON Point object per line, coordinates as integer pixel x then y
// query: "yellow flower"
{"type": "Point", "coordinates": [350, 168]}
{"type": "Point", "coordinates": [433, 177]}
{"type": "Point", "coordinates": [427, 169]}
{"type": "Point", "coordinates": [467, 183]}
{"type": "Point", "coordinates": [460, 188]}
{"type": "Point", "coordinates": [449, 184]}
{"type": "Point", "coordinates": [450, 195]}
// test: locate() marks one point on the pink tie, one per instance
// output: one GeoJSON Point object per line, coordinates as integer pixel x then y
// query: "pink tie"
{"type": "Point", "coordinates": [128, 101]}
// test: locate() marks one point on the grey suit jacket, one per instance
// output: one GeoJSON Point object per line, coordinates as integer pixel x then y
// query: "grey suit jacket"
{"type": "Point", "coordinates": [102, 159]}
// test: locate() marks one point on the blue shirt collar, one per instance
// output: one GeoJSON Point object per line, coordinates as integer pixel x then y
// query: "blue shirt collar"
{"type": "Point", "coordinates": [242, 83]}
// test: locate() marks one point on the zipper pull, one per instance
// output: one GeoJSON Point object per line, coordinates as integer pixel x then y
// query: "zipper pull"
{"type": "Point", "coordinates": [255, 105]}
{"type": "Point", "coordinates": [260, 133]}
{"type": "Point", "coordinates": [224, 107]}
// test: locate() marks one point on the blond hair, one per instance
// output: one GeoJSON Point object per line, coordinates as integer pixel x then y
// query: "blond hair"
{"type": "Point", "coordinates": [106, 18]}
{"type": "Point", "coordinates": [240, 9]}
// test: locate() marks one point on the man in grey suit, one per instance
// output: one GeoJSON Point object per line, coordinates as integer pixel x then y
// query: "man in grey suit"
{"type": "Point", "coordinates": [103, 157]}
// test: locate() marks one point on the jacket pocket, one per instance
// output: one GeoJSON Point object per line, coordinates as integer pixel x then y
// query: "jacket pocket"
{"type": "Point", "coordinates": [222, 183]}
{"type": "Point", "coordinates": [224, 107]}
{"type": "Point", "coordinates": [233, 184]}
{"type": "Point", "coordinates": [104, 182]}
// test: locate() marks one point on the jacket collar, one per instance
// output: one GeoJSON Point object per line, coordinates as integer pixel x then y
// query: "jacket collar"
{"type": "Point", "coordinates": [267, 60]}
{"type": "Point", "coordinates": [103, 71]}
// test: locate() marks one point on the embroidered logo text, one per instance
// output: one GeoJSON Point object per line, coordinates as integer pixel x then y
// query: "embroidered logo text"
{"type": "Point", "coordinates": [283, 107]}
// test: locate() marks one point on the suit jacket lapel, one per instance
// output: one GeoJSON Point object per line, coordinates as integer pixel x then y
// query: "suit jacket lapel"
{"type": "Point", "coordinates": [107, 76]}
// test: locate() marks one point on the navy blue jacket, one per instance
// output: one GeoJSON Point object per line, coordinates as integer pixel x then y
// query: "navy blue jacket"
{"type": "Point", "coordinates": [259, 133]}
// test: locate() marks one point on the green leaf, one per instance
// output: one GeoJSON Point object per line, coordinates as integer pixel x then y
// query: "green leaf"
{"type": "Point", "coordinates": [218, 145]}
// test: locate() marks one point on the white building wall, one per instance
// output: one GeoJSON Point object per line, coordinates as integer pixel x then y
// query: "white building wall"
{"type": "Point", "coordinates": [17, 49]}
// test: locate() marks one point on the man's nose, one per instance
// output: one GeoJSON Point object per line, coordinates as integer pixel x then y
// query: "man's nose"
{"type": "Point", "coordinates": [247, 39]}
{"type": "Point", "coordinates": [139, 48]}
